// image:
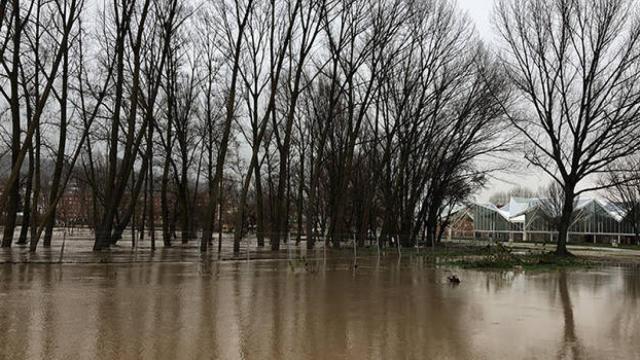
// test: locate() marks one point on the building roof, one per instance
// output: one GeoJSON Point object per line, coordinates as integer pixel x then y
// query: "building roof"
{"type": "Point", "coordinates": [514, 211]}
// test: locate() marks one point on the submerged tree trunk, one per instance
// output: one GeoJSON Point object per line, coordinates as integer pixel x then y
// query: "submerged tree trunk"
{"type": "Point", "coordinates": [26, 212]}
{"type": "Point", "coordinates": [310, 221]}
{"type": "Point", "coordinates": [60, 155]}
{"type": "Point", "coordinates": [300, 203]}
{"type": "Point", "coordinates": [13, 200]}
{"type": "Point", "coordinates": [259, 208]}
{"type": "Point", "coordinates": [34, 238]}
{"type": "Point", "coordinates": [207, 232]}
{"type": "Point", "coordinates": [636, 227]}
{"type": "Point", "coordinates": [185, 207]}
{"type": "Point", "coordinates": [164, 203]}
{"type": "Point", "coordinates": [129, 212]}
{"type": "Point", "coordinates": [151, 206]}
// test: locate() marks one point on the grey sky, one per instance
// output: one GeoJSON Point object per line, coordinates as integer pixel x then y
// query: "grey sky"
{"type": "Point", "coordinates": [520, 174]}
{"type": "Point", "coordinates": [480, 12]}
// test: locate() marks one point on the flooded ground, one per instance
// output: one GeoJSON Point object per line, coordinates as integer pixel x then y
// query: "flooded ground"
{"type": "Point", "coordinates": [77, 247]}
{"type": "Point", "coordinates": [386, 308]}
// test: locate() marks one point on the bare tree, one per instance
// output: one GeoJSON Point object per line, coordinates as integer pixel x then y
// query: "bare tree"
{"type": "Point", "coordinates": [14, 30]}
{"type": "Point", "coordinates": [574, 65]}
{"type": "Point", "coordinates": [357, 44]}
{"type": "Point", "coordinates": [624, 191]}
{"type": "Point", "coordinates": [211, 93]}
{"type": "Point", "coordinates": [131, 25]}
{"type": "Point", "coordinates": [311, 18]}
{"type": "Point", "coordinates": [235, 21]}
{"type": "Point", "coordinates": [551, 204]}
{"type": "Point", "coordinates": [280, 34]}
{"type": "Point", "coordinates": [63, 16]}
{"type": "Point", "coordinates": [437, 115]}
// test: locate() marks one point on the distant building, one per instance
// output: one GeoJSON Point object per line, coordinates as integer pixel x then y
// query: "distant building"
{"type": "Point", "coordinates": [528, 219]}
{"type": "Point", "coordinates": [74, 207]}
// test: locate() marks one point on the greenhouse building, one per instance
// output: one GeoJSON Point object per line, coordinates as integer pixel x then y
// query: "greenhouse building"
{"type": "Point", "coordinates": [532, 219]}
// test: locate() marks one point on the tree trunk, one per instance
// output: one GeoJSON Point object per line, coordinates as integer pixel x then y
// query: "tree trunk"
{"type": "Point", "coordinates": [164, 203]}
{"type": "Point", "coordinates": [636, 228]}
{"type": "Point", "coordinates": [186, 213]}
{"type": "Point", "coordinates": [33, 241]}
{"type": "Point", "coordinates": [60, 156]}
{"type": "Point", "coordinates": [145, 204]}
{"type": "Point", "coordinates": [14, 188]}
{"type": "Point", "coordinates": [259, 208]}
{"type": "Point", "coordinates": [152, 220]}
{"type": "Point", "coordinates": [336, 226]}
{"type": "Point", "coordinates": [565, 221]}
{"type": "Point", "coordinates": [311, 239]}
{"type": "Point", "coordinates": [239, 223]}
{"type": "Point", "coordinates": [300, 205]}
{"type": "Point", "coordinates": [129, 212]}
{"type": "Point", "coordinates": [26, 212]}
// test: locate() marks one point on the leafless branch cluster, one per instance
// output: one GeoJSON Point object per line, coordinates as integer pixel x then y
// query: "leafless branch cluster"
{"type": "Point", "coordinates": [574, 66]}
{"type": "Point", "coordinates": [329, 119]}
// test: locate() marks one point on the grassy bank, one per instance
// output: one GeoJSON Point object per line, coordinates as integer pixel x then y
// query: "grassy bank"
{"type": "Point", "coordinates": [546, 261]}
{"type": "Point", "coordinates": [495, 256]}
{"type": "Point", "coordinates": [500, 257]}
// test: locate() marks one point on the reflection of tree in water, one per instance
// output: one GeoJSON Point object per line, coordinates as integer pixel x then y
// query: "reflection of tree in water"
{"type": "Point", "coordinates": [625, 315]}
{"type": "Point", "coordinates": [400, 312]}
{"type": "Point", "coordinates": [631, 289]}
{"type": "Point", "coordinates": [571, 348]}
{"type": "Point", "coordinates": [497, 281]}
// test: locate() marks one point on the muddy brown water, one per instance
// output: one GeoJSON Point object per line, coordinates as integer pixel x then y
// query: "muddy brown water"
{"type": "Point", "coordinates": [384, 309]}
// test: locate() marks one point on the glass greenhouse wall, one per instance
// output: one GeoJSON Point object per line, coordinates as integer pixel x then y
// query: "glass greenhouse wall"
{"type": "Point", "coordinates": [594, 221]}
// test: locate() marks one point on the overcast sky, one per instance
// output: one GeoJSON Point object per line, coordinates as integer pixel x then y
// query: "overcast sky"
{"type": "Point", "coordinates": [480, 12]}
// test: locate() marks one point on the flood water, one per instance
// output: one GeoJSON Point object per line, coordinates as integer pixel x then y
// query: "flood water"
{"type": "Point", "coordinates": [384, 309]}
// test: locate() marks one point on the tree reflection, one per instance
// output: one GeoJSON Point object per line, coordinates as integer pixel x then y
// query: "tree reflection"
{"type": "Point", "coordinates": [571, 348]}
{"type": "Point", "coordinates": [263, 310]}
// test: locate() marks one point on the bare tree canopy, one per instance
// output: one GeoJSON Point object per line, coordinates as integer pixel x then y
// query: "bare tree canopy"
{"type": "Point", "coordinates": [574, 66]}
{"type": "Point", "coordinates": [624, 190]}
{"type": "Point", "coordinates": [318, 120]}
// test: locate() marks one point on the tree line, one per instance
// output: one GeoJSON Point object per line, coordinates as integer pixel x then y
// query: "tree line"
{"type": "Point", "coordinates": [332, 120]}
